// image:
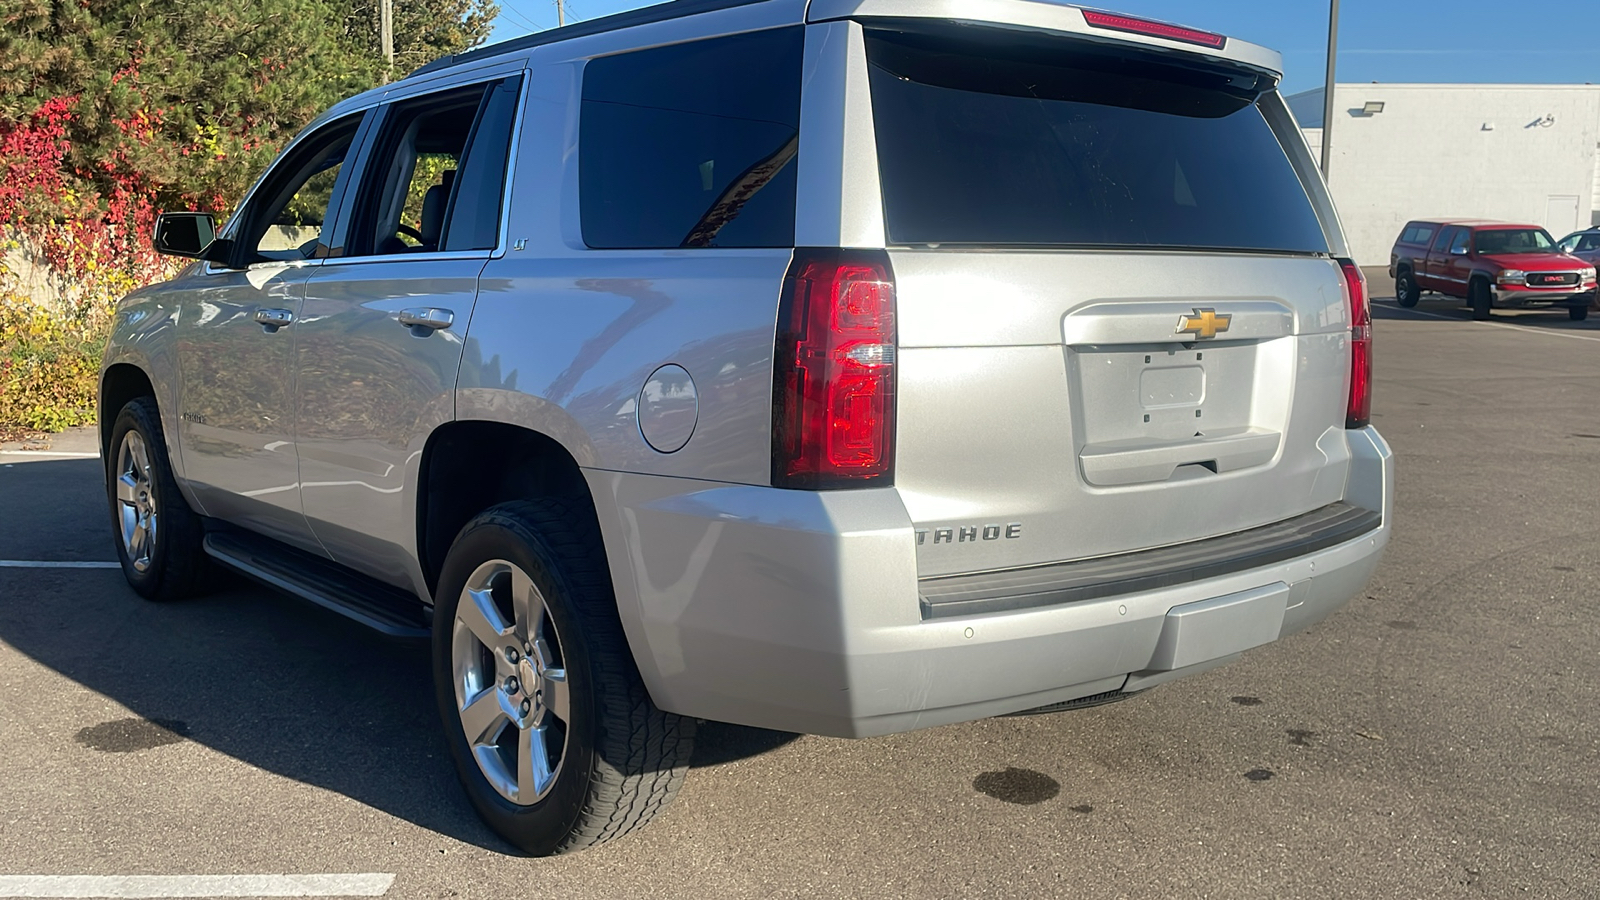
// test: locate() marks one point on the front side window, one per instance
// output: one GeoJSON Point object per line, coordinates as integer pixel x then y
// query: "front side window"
{"type": "Point", "coordinates": [1515, 240]}
{"type": "Point", "coordinates": [1445, 237]}
{"type": "Point", "coordinates": [1458, 243]}
{"type": "Point", "coordinates": [692, 145]}
{"type": "Point", "coordinates": [994, 137]}
{"type": "Point", "coordinates": [289, 217]}
{"type": "Point", "coordinates": [437, 175]}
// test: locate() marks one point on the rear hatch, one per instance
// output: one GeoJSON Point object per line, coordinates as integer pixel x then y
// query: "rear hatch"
{"type": "Point", "coordinates": [1119, 325]}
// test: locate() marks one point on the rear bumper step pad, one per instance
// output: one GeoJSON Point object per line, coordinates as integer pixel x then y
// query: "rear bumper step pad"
{"type": "Point", "coordinates": [1144, 570]}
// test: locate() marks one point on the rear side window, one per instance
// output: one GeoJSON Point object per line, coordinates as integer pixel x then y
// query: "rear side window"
{"type": "Point", "coordinates": [692, 145]}
{"type": "Point", "coordinates": [1417, 234]}
{"type": "Point", "coordinates": [437, 175]}
{"type": "Point", "coordinates": [988, 137]}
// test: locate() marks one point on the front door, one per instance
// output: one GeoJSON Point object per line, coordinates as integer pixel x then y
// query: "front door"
{"type": "Point", "coordinates": [1587, 247]}
{"type": "Point", "coordinates": [236, 339]}
{"type": "Point", "coordinates": [379, 341]}
{"type": "Point", "coordinates": [1458, 263]}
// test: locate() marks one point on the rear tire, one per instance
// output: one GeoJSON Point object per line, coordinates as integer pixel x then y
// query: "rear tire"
{"type": "Point", "coordinates": [1479, 298]}
{"type": "Point", "coordinates": [1406, 291]}
{"type": "Point", "coordinates": [569, 751]}
{"type": "Point", "coordinates": [1577, 313]}
{"type": "Point", "coordinates": [159, 538]}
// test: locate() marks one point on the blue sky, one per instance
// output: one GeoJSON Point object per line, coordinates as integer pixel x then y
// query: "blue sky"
{"type": "Point", "coordinates": [1379, 40]}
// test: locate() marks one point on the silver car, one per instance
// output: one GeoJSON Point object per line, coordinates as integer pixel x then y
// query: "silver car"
{"type": "Point", "coordinates": [843, 367]}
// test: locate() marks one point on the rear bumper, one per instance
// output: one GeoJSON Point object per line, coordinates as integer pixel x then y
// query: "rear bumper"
{"type": "Point", "coordinates": [800, 611]}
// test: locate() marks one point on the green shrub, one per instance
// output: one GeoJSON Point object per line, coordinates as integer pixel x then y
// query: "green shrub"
{"type": "Point", "coordinates": [49, 368]}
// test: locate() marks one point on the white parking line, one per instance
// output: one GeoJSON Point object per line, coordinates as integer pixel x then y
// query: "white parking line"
{"type": "Point", "coordinates": [1517, 328]}
{"type": "Point", "coordinates": [373, 884]}
{"type": "Point", "coordinates": [56, 564]}
{"type": "Point", "coordinates": [63, 454]}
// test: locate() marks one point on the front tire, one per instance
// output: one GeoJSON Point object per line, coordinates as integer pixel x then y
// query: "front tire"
{"type": "Point", "coordinates": [159, 538]}
{"type": "Point", "coordinates": [1479, 298]}
{"type": "Point", "coordinates": [551, 730]}
{"type": "Point", "coordinates": [1406, 291]}
{"type": "Point", "coordinates": [1577, 313]}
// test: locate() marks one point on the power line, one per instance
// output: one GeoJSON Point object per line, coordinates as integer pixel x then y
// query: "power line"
{"type": "Point", "coordinates": [519, 18]}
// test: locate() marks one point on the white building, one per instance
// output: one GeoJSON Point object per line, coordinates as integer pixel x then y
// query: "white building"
{"type": "Point", "coordinates": [1522, 152]}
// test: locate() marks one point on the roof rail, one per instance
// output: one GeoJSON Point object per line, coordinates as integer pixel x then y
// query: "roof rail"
{"type": "Point", "coordinates": [660, 12]}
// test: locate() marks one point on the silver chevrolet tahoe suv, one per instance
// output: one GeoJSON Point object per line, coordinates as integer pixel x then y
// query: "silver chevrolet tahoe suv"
{"type": "Point", "coordinates": [843, 367]}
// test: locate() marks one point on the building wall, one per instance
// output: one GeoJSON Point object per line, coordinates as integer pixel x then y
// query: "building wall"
{"type": "Point", "coordinates": [1527, 153]}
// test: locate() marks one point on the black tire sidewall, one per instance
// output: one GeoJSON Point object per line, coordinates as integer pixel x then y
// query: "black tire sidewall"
{"type": "Point", "coordinates": [1407, 298]}
{"type": "Point", "coordinates": [1479, 298]}
{"type": "Point", "coordinates": [539, 828]}
{"type": "Point", "coordinates": [140, 415]}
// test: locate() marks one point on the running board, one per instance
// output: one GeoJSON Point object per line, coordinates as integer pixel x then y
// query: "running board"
{"type": "Point", "coordinates": [381, 607]}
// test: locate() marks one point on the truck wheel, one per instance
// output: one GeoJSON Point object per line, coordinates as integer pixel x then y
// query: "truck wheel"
{"type": "Point", "coordinates": [1406, 291]}
{"type": "Point", "coordinates": [158, 536]}
{"type": "Point", "coordinates": [549, 725]}
{"type": "Point", "coordinates": [1480, 299]}
{"type": "Point", "coordinates": [1577, 313]}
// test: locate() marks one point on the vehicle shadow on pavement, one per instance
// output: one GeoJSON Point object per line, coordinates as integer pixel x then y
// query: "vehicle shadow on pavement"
{"type": "Point", "coordinates": [266, 679]}
{"type": "Point", "coordinates": [1431, 307]}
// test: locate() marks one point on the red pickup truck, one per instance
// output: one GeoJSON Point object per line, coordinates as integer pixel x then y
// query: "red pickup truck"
{"type": "Point", "coordinates": [1490, 265]}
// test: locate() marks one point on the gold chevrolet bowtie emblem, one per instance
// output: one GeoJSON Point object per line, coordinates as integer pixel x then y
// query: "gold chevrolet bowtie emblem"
{"type": "Point", "coordinates": [1205, 323]}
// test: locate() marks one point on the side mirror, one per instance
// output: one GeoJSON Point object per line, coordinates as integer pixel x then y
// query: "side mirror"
{"type": "Point", "coordinates": [185, 234]}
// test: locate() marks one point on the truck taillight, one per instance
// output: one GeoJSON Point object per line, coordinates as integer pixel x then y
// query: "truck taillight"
{"type": "Point", "coordinates": [1359, 410]}
{"type": "Point", "coordinates": [834, 372]}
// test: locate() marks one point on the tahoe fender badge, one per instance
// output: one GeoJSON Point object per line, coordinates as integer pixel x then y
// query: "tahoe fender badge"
{"type": "Point", "coordinates": [1205, 323]}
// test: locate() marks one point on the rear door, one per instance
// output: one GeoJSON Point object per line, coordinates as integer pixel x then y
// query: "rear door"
{"type": "Point", "coordinates": [1436, 273]}
{"type": "Point", "coordinates": [1119, 323]}
{"type": "Point", "coordinates": [379, 342]}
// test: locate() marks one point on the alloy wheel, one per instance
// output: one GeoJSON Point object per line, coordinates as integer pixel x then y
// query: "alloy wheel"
{"type": "Point", "coordinates": [136, 501]}
{"type": "Point", "coordinates": [510, 681]}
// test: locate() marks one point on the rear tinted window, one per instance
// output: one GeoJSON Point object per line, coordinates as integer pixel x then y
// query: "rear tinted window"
{"type": "Point", "coordinates": [1416, 234]}
{"type": "Point", "coordinates": [692, 145]}
{"type": "Point", "coordinates": [1014, 140]}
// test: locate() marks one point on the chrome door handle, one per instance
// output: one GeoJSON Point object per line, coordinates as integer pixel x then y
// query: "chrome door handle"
{"type": "Point", "coordinates": [425, 320]}
{"type": "Point", "coordinates": [273, 319]}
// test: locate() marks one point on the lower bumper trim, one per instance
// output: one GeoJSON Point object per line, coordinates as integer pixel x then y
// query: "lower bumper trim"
{"type": "Point", "coordinates": [1145, 570]}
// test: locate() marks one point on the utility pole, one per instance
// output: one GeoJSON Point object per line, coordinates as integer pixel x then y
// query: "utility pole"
{"type": "Point", "coordinates": [386, 30]}
{"type": "Point", "coordinates": [561, 13]}
{"type": "Point", "coordinates": [1327, 89]}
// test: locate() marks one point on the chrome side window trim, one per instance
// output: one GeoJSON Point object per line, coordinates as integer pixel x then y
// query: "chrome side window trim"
{"type": "Point", "coordinates": [408, 257]}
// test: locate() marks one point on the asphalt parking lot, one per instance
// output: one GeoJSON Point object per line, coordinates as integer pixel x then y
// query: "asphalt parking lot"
{"type": "Point", "coordinates": [1438, 738]}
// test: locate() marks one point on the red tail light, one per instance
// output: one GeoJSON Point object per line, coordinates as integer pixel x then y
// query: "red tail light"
{"type": "Point", "coordinates": [1114, 22]}
{"type": "Point", "coordinates": [1359, 412]}
{"type": "Point", "coordinates": [833, 390]}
